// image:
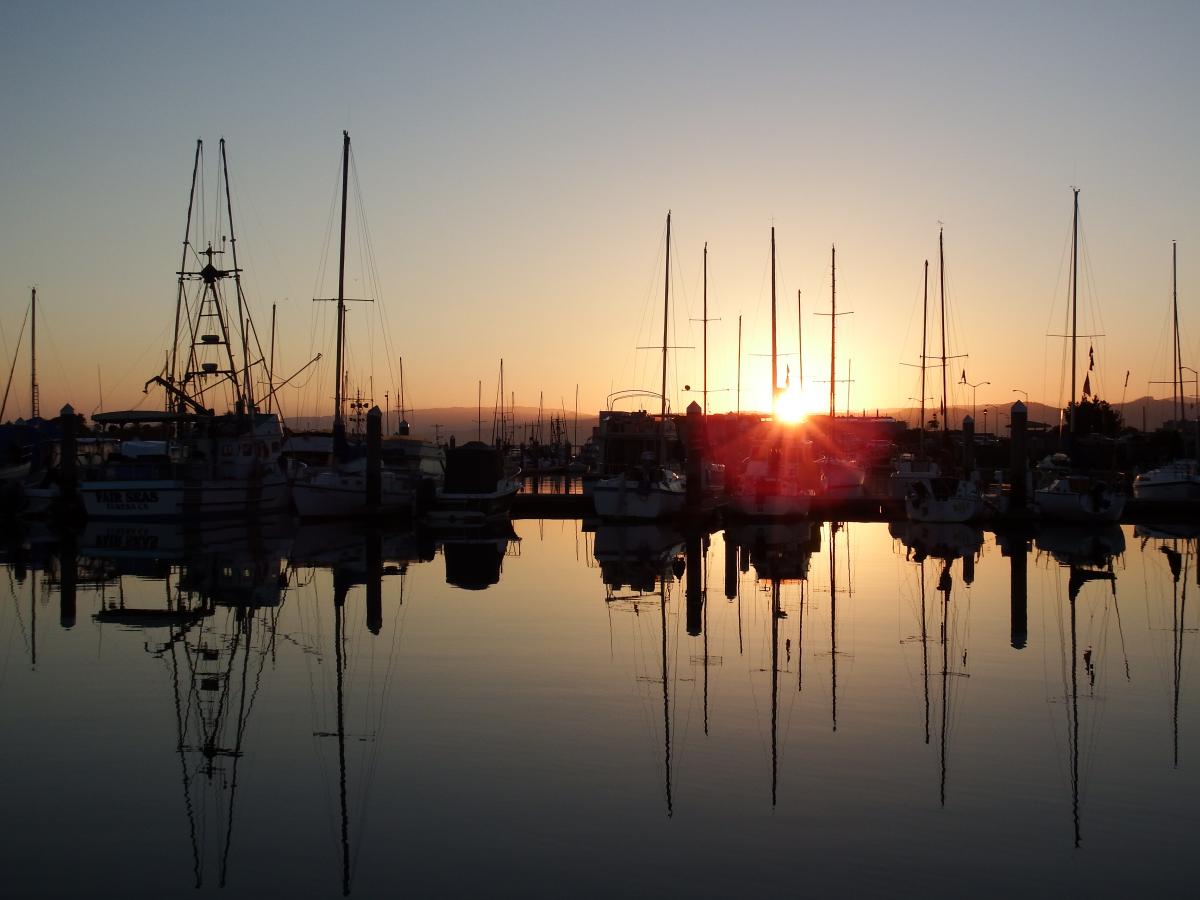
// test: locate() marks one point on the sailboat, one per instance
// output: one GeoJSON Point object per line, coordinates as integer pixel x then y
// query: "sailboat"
{"type": "Point", "coordinates": [837, 474]}
{"type": "Point", "coordinates": [770, 486]}
{"type": "Point", "coordinates": [911, 469]}
{"type": "Point", "coordinates": [1067, 496]}
{"type": "Point", "coordinates": [649, 490]}
{"type": "Point", "coordinates": [201, 463]}
{"type": "Point", "coordinates": [340, 489]}
{"type": "Point", "coordinates": [28, 447]}
{"type": "Point", "coordinates": [1179, 480]}
{"type": "Point", "coordinates": [934, 498]}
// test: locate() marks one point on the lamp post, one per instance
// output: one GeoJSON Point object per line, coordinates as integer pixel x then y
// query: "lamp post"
{"type": "Point", "coordinates": [1024, 394]}
{"type": "Point", "coordinates": [985, 415]}
{"type": "Point", "coordinates": [917, 400]}
{"type": "Point", "coordinates": [973, 387]}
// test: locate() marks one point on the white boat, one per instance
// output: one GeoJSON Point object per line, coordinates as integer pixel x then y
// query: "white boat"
{"type": "Point", "coordinates": [840, 474]}
{"type": "Point", "coordinates": [650, 490]}
{"type": "Point", "coordinates": [213, 466]}
{"type": "Point", "coordinates": [199, 464]}
{"type": "Point", "coordinates": [1176, 481]}
{"type": "Point", "coordinates": [342, 491]}
{"type": "Point", "coordinates": [771, 488]}
{"type": "Point", "coordinates": [909, 470]}
{"type": "Point", "coordinates": [944, 500]}
{"type": "Point", "coordinates": [1079, 498]}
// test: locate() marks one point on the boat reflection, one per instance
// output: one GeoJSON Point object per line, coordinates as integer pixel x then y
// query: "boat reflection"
{"type": "Point", "coordinates": [215, 629]}
{"type": "Point", "coordinates": [639, 558]}
{"type": "Point", "coordinates": [475, 556]}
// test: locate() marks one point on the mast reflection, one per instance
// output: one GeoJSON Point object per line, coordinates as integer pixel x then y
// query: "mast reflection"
{"type": "Point", "coordinates": [946, 543]}
{"type": "Point", "coordinates": [1088, 555]}
{"type": "Point", "coordinates": [224, 587]}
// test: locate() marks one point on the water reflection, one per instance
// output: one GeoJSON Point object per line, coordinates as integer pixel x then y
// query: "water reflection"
{"type": "Point", "coordinates": [562, 685]}
{"type": "Point", "coordinates": [214, 625]}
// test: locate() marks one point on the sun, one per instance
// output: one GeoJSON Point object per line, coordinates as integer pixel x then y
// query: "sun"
{"type": "Point", "coordinates": [794, 404]}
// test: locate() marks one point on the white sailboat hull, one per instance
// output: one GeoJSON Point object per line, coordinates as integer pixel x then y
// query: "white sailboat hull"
{"type": "Point", "coordinates": [626, 498]}
{"type": "Point", "coordinates": [1175, 482]}
{"type": "Point", "coordinates": [773, 506]}
{"type": "Point", "coordinates": [837, 474]}
{"type": "Point", "coordinates": [1074, 506]}
{"type": "Point", "coordinates": [335, 494]}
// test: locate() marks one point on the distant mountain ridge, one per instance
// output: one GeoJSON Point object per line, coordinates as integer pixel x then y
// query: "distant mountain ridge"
{"type": "Point", "coordinates": [460, 421]}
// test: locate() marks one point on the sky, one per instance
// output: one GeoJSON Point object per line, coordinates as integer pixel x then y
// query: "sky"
{"type": "Point", "coordinates": [515, 163]}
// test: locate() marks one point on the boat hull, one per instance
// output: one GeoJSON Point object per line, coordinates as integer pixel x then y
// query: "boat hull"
{"type": "Point", "coordinates": [624, 498]}
{"type": "Point", "coordinates": [770, 506]}
{"type": "Point", "coordinates": [172, 499]}
{"type": "Point", "coordinates": [474, 508]}
{"type": "Point", "coordinates": [334, 495]}
{"type": "Point", "coordinates": [1078, 507]}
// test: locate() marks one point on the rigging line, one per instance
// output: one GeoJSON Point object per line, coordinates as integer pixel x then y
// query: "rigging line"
{"type": "Point", "coordinates": [183, 767]}
{"type": "Point", "coordinates": [13, 368]}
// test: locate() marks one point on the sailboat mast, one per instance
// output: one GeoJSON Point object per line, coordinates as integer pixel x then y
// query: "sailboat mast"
{"type": "Point", "coordinates": [739, 366]}
{"type": "Point", "coordinates": [341, 295]}
{"type": "Point", "coordinates": [924, 352]}
{"type": "Point", "coordinates": [942, 291]}
{"type": "Point", "coordinates": [705, 389]}
{"type": "Point", "coordinates": [34, 412]}
{"type": "Point", "coordinates": [187, 235]}
{"type": "Point", "coordinates": [833, 333]}
{"type": "Point", "coordinates": [1074, 303]}
{"type": "Point", "coordinates": [662, 418]}
{"type": "Point", "coordinates": [243, 389]}
{"type": "Point", "coordinates": [800, 338]}
{"type": "Point", "coordinates": [774, 348]}
{"type": "Point", "coordinates": [1178, 374]}
{"type": "Point", "coordinates": [271, 364]}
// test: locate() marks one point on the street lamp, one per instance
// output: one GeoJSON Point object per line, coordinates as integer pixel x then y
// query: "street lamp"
{"type": "Point", "coordinates": [973, 388]}
{"type": "Point", "coordinates": [917, 400]}
{"type": "Point", "coordinates": [1025, 394]}
{"type": "Point", "coordinates": [985, 415]}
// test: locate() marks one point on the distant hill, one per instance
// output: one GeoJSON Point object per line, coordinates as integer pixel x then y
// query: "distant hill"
{"type": "Point", "coordinates": [1143, 412]}
{"type": "Point", "coordinates": [460, 421]}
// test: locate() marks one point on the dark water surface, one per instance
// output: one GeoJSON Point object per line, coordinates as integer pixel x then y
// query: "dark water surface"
{"type": "Point", "coordinates": [863, 723]}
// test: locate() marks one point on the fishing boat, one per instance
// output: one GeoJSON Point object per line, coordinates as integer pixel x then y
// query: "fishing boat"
{"type": "Point", "coordinates": [478, 488]}
{"type": "Point", "coordinates": [186, 460]}
{"type": "Point", "coordinates": [649, 490]}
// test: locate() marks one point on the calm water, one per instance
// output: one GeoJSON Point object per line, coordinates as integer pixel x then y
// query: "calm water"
{"type": "Point", "coordinates": [253, 714]}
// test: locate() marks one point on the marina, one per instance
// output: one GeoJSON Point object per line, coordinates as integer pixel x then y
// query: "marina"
{"type": "Point", "coordinates": [629, 450]}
